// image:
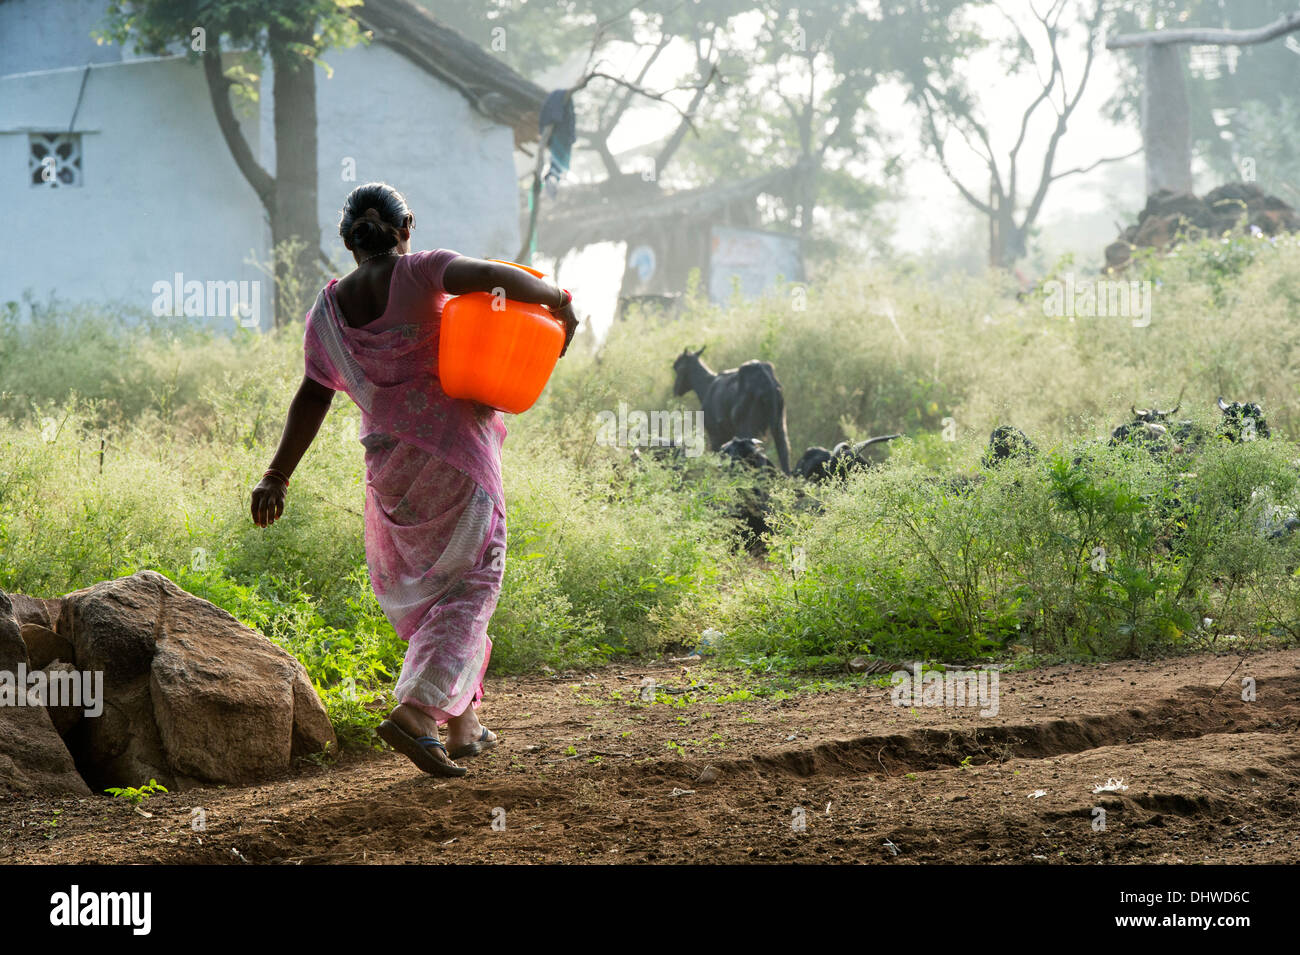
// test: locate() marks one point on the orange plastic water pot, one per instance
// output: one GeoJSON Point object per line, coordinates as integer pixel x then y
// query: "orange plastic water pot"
{"type": "Point", "coordinates": [501, 358]}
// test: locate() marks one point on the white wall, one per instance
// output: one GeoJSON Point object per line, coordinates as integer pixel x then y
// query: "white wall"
{"type": "Point", "coordinates": [49, 34]}
{"type": "Point", "coordinates": [402, 126]}
{"type": "Point", "coordinates": [161, 193]}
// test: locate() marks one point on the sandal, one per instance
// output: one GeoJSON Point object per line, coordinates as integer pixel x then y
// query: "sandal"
{"type": "Point", "coordinates": [420, 750]}
{"type": "Point", "coordinates": [470, 750]}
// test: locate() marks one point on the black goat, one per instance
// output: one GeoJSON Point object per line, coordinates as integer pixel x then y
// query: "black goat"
{"type": "Point", "coordinates": [817, 464]}
{"type": "Point", "coordinates": [1242, 421]}
{"type": "Point", "coordinates": [1148, 428]}
{"type": "Point", "coordinates": [741, 402]}
{"type": "Point", "coordinates": [1006, 442]}
{"type": "Point", "coordinates": [746, 451]}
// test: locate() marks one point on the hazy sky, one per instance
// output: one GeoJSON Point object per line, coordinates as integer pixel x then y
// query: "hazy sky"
{"type": "Point", "coordinates": [1080, 213]}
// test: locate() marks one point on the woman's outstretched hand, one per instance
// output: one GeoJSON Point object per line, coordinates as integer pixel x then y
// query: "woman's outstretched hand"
{"type": "Point", "coordinates": [268, 501]}
{"type": "Point", "coordinates": [570, 319]}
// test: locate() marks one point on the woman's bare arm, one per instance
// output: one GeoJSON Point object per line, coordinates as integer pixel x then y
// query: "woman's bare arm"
{"type": "Point", "coordinates": [468, 274]}
{"type": "Point", "coordinates": [306, 412]}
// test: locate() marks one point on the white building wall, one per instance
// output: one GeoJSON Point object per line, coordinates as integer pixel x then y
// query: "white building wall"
{"type": "Point", "coordinates": [404, 127]}
{"type": "Point", "coordinates": [161, 194]}
{"type": "Point", "coordinates": [50, 34]}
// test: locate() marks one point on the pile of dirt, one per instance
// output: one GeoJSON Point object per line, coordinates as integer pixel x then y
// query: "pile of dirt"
{"type": "Point", "coordinates": [135, 679]}
{"type": "Point", "coordinates": [1174, 216]}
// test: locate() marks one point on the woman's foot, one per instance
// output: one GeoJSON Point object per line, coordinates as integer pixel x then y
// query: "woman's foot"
{"type": "Point", "coordinates": [466, 736]}
{"type": "Point", "coordinates": [416, 724]}
{"type": "Point", "coordinates": [414, 721]}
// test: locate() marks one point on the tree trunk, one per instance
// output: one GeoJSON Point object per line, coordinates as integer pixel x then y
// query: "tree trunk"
{"type": "Point", "coordinates": [995, 243]}
{"type": "Point", "coordinates": [1007, 241]}
{"type": "Point", "coordinates": [294, 214]}
{"type": "Point", "coordinates": [1166, 125]}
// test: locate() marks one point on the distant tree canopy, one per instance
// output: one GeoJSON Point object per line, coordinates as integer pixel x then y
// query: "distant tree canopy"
{"type": "Point", "coordinates": [1244, 102]}
{"type": "Point", "coordinates": [795, 78]}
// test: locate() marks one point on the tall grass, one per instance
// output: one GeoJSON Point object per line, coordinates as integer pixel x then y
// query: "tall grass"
{"type": "Point", "coordinates": [130, 443]}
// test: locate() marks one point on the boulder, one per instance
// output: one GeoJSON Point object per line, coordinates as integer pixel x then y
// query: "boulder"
{"type": "Point", "coordinates": [65, 717]}
{"type": "Point", "coordinates": [33, 757]}
{"type": "Point", "coordinates": [38, 610]}
{"type": "Point", "coordinates": [192, 696]}
{"type": "Point", "coordinates": [45, 646]}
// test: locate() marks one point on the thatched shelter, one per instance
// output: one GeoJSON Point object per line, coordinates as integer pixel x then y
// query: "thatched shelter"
{"type": "Point", "coordinates": [675, 226]}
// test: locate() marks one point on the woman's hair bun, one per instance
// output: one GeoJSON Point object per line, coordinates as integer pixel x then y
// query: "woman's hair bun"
{"type": "Point", "coordinates": [372, 216]}
{"type": "Point", "coordinates": [369, 234]}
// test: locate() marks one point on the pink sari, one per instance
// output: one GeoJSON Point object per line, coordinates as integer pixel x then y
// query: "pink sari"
{"type": "Point", "coordinates": [435, 526]}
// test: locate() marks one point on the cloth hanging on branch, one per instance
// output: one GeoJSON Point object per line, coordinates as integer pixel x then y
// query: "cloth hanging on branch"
{"type": "Point", "coordinates": [557, 112]}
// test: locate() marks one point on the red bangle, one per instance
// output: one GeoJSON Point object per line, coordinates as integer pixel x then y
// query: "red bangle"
{"type": "Point", "coordinates": [568, 299]}
{"type": "Point", "coordinates": [275, 472]}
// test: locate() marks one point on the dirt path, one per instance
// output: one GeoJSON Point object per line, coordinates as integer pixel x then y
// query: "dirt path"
{"type": "Point", "coordinates": [586, 773]}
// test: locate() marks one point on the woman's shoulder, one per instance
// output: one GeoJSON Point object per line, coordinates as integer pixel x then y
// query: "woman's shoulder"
{"type": "Point", "coordinates": [430, 258]}
{"type": "Point", "coordinates": [329, 289]}
{"type": "Point", "coordinates": [425, 254]}
{"type": "Point", "coordinates": [428, 266]}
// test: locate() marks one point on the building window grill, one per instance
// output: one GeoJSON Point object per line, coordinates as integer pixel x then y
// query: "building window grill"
{"type": "Point", "coordinates": [54, 159]}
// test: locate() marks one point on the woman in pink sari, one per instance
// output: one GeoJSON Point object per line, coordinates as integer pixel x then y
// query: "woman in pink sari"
{"type": "Point", "coordinates": [435, 525]}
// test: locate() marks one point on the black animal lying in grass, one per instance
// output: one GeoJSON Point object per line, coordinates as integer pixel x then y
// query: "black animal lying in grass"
{"type": "Point", "coordinates": [817, 464]}
{"type": "Point", "coordinates": [754, 500]}
{"type": "Point", "coordinates": [747, 451]}
{"type": "Point", "coordinates": [742, 402]}
{"type": "Point", "coordinates": [1005, 443]}
{"type": "Point", "coordinates": [1242, 421]}
{"type": "Point", "coordinates": [1148, 429]}
{"type": "Point", "coordinates": [670, 455]}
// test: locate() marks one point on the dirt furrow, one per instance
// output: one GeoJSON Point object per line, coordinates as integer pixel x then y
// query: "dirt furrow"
{"type": "Point", "coordinates": [1159, 761]}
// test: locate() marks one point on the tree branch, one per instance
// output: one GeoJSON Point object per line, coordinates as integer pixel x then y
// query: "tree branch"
{"type": "Point", "coordinates": [659, 97]}
{"type": "Point", "coordinates": [1091, 166]}
{"type": "Point", "coordinates": [937, 142]}
{"type": "Point", "coordinates": [679, 134]}
{"type": "Point", "coordinates": [1068, 105]}
{"type": "Point", "coordinates": [1216, 37]}
{"type": "Point", "coordinates": [607, 121]}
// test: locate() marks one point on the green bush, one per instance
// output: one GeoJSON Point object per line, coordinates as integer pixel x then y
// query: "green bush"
{"type": "Point", "coordinates": [129, 442]}
{"type": "Point", "coordinates": [1089, 550]}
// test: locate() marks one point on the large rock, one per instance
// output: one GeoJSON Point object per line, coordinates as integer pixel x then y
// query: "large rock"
{"type": "Point", "coordinates": [33, 757]}
{"type": "Point", "coordinates": [45, 646]}
{"type": "Point", "coordinates": [192, 695]}
{"type": "Point", "coordinates": [37, 610]}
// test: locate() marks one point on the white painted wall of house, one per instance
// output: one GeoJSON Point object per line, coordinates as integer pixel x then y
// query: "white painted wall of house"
{"type": "Point", "coordinates": [51, 34]}
{"type": "Point", "coordinates": [161, 192]}
{"type": "Point", "coordinates": [404, 127]}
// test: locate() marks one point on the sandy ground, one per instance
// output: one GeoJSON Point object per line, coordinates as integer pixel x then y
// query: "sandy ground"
{"type": "Point", "coordinates": [587, 773]}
